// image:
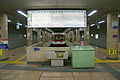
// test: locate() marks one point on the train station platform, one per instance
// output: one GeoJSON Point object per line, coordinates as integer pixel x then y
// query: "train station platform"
{"type": "Point", "coordinates": [59, 39]}
{"type": "Point", "coordinates": [16, 67]}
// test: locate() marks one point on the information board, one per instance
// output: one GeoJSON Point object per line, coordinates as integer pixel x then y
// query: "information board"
{"type": "Point", "coordinates": [56, 18]}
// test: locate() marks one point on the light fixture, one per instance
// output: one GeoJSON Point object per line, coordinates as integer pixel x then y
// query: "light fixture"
{"type": "Point", "coordinates": [26, 26]}
{"type": "Point", "coordinates": [49, 30]}
{"type": "Point", "coordinates": [81, 29]}
{"type": "Point", "coordinates": [93, 12]}
{"type": "Point", "coordinates": [119, 15]}
{"type": "Point", "coordinates": [91, 35]}
{"type": "Point", "coordinates": [101, 22]}
{"type": "Point", "coordinates": [22, 13]}
{"type": "Point", "coordinates": [9, 20]}
{"type": "Point", "coordinates": [25, 35]}
{"type": "Point", "coordinates": [92, 25]}
{"type": "Point", "coordinates": [19, 24]}
{"type": "Point", "coordinates": [67, 30]}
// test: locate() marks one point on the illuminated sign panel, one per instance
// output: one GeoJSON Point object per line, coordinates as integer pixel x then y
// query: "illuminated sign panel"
{"type": "Point", "coordinates": [56, 18]}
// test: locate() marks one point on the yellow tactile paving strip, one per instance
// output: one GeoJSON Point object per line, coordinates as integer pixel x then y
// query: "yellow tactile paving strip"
{"type": "Point", "coordinates": [97, 60]}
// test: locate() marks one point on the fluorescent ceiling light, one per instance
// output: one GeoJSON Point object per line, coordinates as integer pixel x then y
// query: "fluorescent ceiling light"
{"type": "Point", "coordinates": [9, 20]}
{"type": "Point", "coordinates": [19, 24]}
{"type": "Point", "coordinates": [49, 30]}
{"type": "Point", "coordinates": [22, 13]}
{"type": "Point", "coordinates": [118, 15]}
{"type": "Point", "coordinates": [101, 22]}
{"type": "Point", "coordinates": [26, 26]}
{"type": "Point", "coordinates": [92, 25]}
{"type": "Point", "coordinates": [81, 29]}
{"type": "Point", "coordinates": [67, 30]}
{"type": "Point", "coordinates": [93, 12]}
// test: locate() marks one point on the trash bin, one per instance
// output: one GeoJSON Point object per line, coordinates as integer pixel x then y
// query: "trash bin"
{"type": "Point", "coordinates": [82, 56]}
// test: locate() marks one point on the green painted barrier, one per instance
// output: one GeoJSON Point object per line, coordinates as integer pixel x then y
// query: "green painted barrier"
{"type": "Point", "coordinates": [83, 56]}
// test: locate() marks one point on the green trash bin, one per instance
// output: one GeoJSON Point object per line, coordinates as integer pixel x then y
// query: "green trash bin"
{"type": "Point", "coordinates": [83, 56]}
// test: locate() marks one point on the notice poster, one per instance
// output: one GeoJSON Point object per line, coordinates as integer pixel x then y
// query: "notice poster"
{"type": "Point", "coordinates": [56, 18]}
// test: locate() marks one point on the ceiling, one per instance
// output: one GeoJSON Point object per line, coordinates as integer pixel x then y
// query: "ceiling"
{"type": "Point", "coordinates": [103, 6]}
{"type": "Point", "coordinates": [33, 4]}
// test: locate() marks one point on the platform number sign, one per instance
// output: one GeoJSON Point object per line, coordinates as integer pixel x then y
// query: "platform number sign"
{"type": "Point", "coordinates": [111, 51]}
{"type": "Point", "coordinates": [116, 51]}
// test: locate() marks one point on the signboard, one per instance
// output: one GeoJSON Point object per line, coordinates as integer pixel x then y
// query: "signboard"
{"type": "Point", "coordinates": [116, 51]}
{"type": "Point", "coordinates": [36, 49]}
{"type": "Point", "coordinates": [115, 27]}
{"type": "Point", "coordinates": [111, 51]}
{"type": "Point", "coordinates": [3, 43]}
{"type": "Point", "coordinates": [3, 46]}
{"type": "Point", "coordinates": [56, 18]}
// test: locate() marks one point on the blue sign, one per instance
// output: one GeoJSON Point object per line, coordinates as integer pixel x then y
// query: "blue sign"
{"type": "Point", "coordinates": [115, 27]}
{"type": "Point", "coordinates": [3, 46]}
{"type": "Point", "coordinates": [36, 49]}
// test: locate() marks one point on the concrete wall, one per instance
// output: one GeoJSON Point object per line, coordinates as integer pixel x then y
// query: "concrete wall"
{"type": "Point", "coordinates": [16, 36]}
{"type": "Point", "coordinates": [102, 32]}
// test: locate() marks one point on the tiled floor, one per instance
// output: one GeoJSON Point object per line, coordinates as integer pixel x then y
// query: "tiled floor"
{"type": "Point", "coordinates": [100, 72]}
{"type": "Point", "coordinates": [42, 75]}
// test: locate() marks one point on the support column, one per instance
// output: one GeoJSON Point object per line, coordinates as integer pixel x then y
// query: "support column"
{"type": "Point", "coordinates": [112, 35]}
{"type": "Point", "coordinates": [44, 37]}
{"type": "Point", "coordinates": [50, 36]}
{"type": "Point", "coordinates": [3, 36]}
{"type": "Point", "coordinates": [39, 35]}
{"type": "Point", "coordinates": [77, 36]}
{"type": "Point", "coordinates": [86, 36]}
{"type": "Point", "coordinates": [47, 36]}
{"type": "Point", "coordinates": [29, 36]}
{"type": "Point", "coordinates": [73, 36]}
{"type": "Point", "coordinates": [69, 36]}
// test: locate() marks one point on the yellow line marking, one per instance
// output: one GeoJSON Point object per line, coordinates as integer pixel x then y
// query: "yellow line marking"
{"type": "Point", "coordinates": [97, 59]}
{"type": "Point", "coordinates": [12, 62]}
{"type": "Point", "coordinates": [104, 51]}
{"type": "Point", "coordinates": [21, 58]}
{"type": "Point", "coordinates": [107, 61]}
{"type": "Point", "coordinates": [101, 50]}
{"type": "Point", "coordinates": [17, 49]}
